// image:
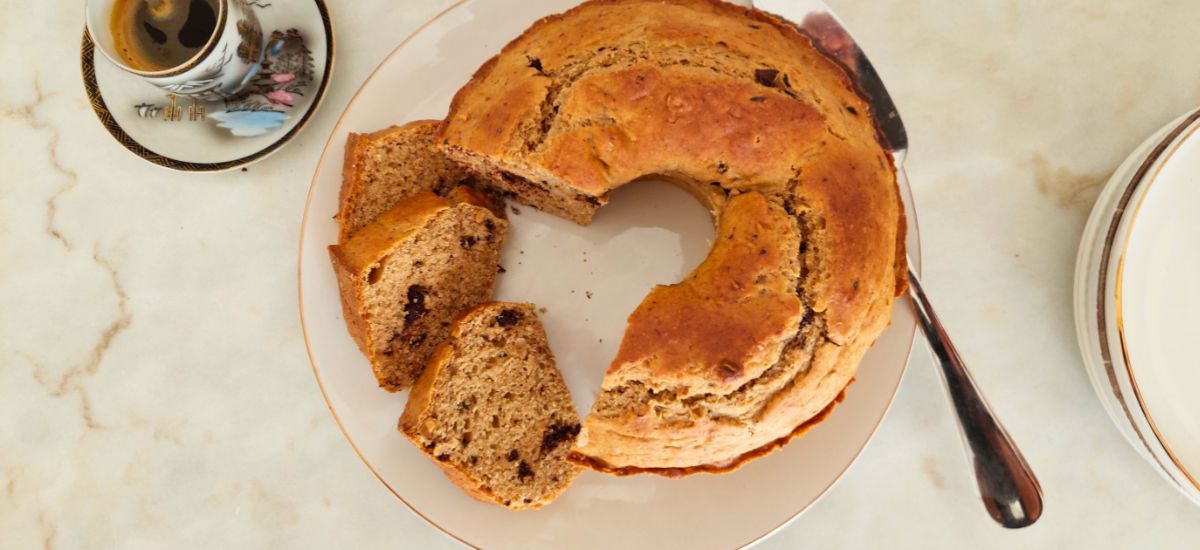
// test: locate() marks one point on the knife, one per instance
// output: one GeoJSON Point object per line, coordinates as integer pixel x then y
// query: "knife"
{"type": "Point", "coordinates": [1009, 489]}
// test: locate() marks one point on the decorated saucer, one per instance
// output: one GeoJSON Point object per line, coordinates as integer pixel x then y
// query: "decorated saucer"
{"type": "Point", "coordinates": [210, 136]}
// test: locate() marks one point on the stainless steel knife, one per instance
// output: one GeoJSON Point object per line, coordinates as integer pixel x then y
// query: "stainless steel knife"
{"type": "Point", "coordinates": [1010, 491]}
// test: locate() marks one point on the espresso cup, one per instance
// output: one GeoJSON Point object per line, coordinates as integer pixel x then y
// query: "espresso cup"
{"type": "Point", "coordinates": [224, 66]}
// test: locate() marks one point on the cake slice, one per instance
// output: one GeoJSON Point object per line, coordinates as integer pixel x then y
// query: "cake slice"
{"type": "Point", "coordinates": [384, 167]}
{"type": "Point", "coordinates": [405, 276]}
{"type": "Point", "coordinates": [492, 409]}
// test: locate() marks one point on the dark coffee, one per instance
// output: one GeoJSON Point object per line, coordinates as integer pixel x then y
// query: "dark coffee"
{"type": "Point", "coordinates": [155, 35]}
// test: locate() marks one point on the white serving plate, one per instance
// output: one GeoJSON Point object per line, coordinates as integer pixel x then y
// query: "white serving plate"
{"type": "Point", "coordinates": [1136, 298]}
{"type": "Point", "coordinates": [589, 279]}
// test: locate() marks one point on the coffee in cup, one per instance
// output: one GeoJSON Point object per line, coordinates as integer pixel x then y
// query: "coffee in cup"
{"type": "Point", "coordinates": [155, 35]}
{"type": "Point", "coordinates": [204, 49]}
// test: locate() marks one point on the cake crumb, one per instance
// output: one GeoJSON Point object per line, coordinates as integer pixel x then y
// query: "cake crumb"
{"type": "Point", "coordinates": [589, 294]}
{"type": "Point", "coordinates": [542, 310]}
{"type": "Point", "coordinates": [516, 210]}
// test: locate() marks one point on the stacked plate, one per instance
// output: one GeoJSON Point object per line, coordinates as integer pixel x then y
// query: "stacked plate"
{"type": "Point", "coordinates": [1137, 299]}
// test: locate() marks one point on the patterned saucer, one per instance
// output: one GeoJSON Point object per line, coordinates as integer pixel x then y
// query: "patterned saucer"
{"type": "Point", "coordinates": [197, 136]}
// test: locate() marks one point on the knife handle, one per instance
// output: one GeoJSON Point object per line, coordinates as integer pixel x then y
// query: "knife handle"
{"type": "Point", "coordinates": [1010, 491]}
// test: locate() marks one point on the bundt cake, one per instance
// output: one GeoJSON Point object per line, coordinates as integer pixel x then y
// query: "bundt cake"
{"type": "Point", "coordinates": [738, 107]}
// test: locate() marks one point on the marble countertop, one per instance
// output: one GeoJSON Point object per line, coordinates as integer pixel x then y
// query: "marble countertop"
{"type": "Point", "coordinates": [154, 386]}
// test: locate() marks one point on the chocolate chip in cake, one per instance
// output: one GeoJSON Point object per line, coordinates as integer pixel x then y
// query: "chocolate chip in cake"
{"type": "Point", "coordinates": [556, 434]}
{"type": "Point", "coordinates": [443, 457]}
{"type": "Point", "coordinates": [536, 64]}
{"type": "Point", "coordinates": [467, 241]}
{"type": "Point", "coordinates": [766, 77]}
{"type": "Point", "coordinates": [524, 471]}
{"type": "Point", "coordinates": [508, 318]}
{"type": "Point", "coordinates": [414, 308]}
{"type": "Point", "coordinates": [513, 455]}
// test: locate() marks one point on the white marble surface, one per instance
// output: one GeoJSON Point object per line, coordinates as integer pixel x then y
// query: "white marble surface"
{"type": "Point", "coordinates": [155, 392]}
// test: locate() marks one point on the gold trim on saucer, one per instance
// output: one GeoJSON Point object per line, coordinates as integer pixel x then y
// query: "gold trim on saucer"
{"type": "Point", "coordinates": [1106, 353]}
{"type": "Point", "coordinates": [915, 256]}
{"type": "Point", "coordinates": [1178, 140]}
{"type": "Point", "coordinates": [88, 64]}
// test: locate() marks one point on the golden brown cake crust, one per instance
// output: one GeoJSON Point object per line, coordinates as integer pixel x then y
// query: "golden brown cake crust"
{"type": "Point", "coordinates": [384, 167]}
{"type": "Point", "coordinates": [421, 262]}
{"type": "Point", "coordinates": [715, 96]}
{"type": "Point", "coordinates": [601, 466]}
{"type": "Point", "coordinates": [710, 331]}
{"type": "Point", "coordinates": [369, 247]}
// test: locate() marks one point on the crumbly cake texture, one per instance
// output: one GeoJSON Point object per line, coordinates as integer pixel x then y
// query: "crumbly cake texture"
{"type": "Point", "coordinates": [405, 277]}
{"type": "Point", "coordinates": [492, 409]}
{"type": "Point", "coordinates": [382, 168]}
{"type": "Point", "coordinates": [741, 109]}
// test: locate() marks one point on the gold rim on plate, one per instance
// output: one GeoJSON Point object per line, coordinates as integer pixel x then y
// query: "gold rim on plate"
{"type": "Point", "coordinates": [912, 223]}
{"type": "Point", "coordinates": [1136, 183]}
{"type": "Point", "coordinates": [1177, 138]}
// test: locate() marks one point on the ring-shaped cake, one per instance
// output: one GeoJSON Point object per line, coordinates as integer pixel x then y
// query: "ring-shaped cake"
{"type": "Point", "coordinates": [740, 108]}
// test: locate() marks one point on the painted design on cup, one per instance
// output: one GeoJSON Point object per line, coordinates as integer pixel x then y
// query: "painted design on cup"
{"type": "Point", "coordinates": [250, 49]}
{"type": "Point", "coordinates": [238, 55]}
{"type": "Point", "coordinates": [227, 63]}
{"type": "Point", "coordinates": [262, 106]}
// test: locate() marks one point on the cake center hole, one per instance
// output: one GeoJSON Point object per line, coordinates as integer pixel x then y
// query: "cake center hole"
{"type": "Point", "coordinates": [591, 278]}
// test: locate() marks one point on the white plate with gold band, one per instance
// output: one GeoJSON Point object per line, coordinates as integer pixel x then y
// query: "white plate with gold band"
{"type": "Point", "coordinates": [1136, 298]}
{"type": "Point", "coordinates": [588, 279]}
